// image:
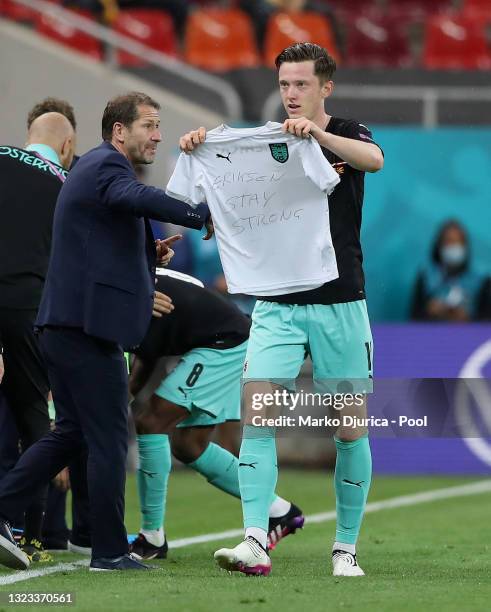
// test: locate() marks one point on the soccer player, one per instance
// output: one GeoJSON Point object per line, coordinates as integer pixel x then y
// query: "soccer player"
{"type": "Point", "coordinates": [210, 334]}
{"type": "Point", "coordinates": [329, 322]}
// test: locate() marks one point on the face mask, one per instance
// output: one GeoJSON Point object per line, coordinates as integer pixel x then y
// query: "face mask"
{"type": "Point", "coordinates": [453, 255]}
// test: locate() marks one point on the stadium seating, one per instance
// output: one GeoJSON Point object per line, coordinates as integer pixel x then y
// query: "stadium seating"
{"type": "Point", "coordinates": [220, 40]}
{"type": "Point", "coordinates": [153, 28]}
{"type": "Point", "coordinates": [481, 8]}
{"type": "Point", "coordinates": [285, 29]}
{"type": "Point", "coordinates": [456, 42]}
{"type": "Point", "coordinates": [18, 12]}
{"type": "Point", "coordinates": [376, 34]}
{"type": "Point", "coordinates": [377, 40]}
{"type": "Point", "coordinates": [62, 32]}
{"type": "Point", "coordinates": [481, 5]}
{"type": "Point", "coordinates": [420, 6]}
{"type": "Point", "coordinates": [353, 6]}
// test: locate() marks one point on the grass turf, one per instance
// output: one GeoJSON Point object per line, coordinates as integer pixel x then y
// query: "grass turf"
{"type": "Point", "coordinates": [431, 556]}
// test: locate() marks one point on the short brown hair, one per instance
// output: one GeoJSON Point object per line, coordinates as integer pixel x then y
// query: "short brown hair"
{"type": "Point", "coordinates": [52, 105]}
{"type": "Point", "coordinates": [124, 109]}
{"type": "Point", "coordinates": [324, 64]}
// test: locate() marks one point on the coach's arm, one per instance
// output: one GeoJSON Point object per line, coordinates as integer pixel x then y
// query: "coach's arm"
{"type": "Point", "coordinates": [119, 190]}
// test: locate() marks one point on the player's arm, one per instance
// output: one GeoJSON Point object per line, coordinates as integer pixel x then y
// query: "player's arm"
{"type": "Point", "coordinates": [361, 155]}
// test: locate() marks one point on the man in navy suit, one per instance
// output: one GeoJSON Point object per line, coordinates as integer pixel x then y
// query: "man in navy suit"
{"type": "Point", "coordinates": [97, 301]}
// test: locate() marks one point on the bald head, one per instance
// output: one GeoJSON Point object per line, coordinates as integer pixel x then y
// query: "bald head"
{"type": "Point", "coordinates": [55, 131]}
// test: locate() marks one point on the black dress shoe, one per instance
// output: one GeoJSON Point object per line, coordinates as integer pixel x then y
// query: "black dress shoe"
{"type": "Point", "coordinates": [109, 564]}
{"type": "Point", "coordinates": [10, 554]}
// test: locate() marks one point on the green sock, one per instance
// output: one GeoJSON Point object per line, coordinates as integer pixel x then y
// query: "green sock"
{"type": "Point", "coordinates": [258, 474]}
{"type": "Point", "coordinates": [219, 467]}
{"type": "Point", "coordinates": [352, 483]}
{"type": "Point", "coordinates": [152, 477]}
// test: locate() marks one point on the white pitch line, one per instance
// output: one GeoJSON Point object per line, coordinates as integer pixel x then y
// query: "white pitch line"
{"type": "Point", "coordinates": [473, 488]}
{"type": "Point", "coordinates": [28, 574]}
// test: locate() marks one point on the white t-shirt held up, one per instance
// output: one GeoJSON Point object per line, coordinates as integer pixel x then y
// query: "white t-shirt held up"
{"type": "Point", "coordinates": [267, 193]}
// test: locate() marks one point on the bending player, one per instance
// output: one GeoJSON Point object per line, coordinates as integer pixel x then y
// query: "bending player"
{"type": "Point", "coordinates": [203, 391]}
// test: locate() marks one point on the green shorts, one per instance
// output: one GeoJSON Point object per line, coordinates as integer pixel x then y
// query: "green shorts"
{"type": "Point", "coordinates": [337, 337]}
{"type": "Point", "coordinates": [207, 383]}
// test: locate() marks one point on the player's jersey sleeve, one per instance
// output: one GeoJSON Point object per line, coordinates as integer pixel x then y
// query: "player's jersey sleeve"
{"type": "Point", "coordinates": [316, 167]}
{"type": "Point", "coordinates": [358, 131]}
{"type": "Point", "coordinates": [185, 182]}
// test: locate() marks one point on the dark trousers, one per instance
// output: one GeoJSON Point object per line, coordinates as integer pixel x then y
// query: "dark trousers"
{"type": "Point", "coordinates": [55, 527]}
{"type": "Point", "coordinates": [25, 386]}
{"type": "Point", "coordinates": [81, 528]}
{"type": "Point", "coordinates": [89, 383]}
{"type": "Point", "coordinates": [9, 447]}
{"type": "Point", "coordinates": [9, 438]}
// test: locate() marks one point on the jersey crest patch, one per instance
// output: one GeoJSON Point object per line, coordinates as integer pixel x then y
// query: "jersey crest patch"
{"type": "Point", "coordinates": [279, 151]}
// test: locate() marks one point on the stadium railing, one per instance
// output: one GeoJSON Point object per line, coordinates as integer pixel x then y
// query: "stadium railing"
{"type": "Point", "coordinates": [232, 103]}
{"type": "Point", "coordinates": [430, 97]}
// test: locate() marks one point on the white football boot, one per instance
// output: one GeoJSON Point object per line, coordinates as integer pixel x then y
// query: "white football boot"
{"type": "Point", "coordinates": [248, 557]}
{"type": "Point", "coordinates": [344, 564]}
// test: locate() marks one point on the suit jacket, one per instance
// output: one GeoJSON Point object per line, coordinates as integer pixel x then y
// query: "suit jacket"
{"type": "Point", "coordinates": [101, 270]}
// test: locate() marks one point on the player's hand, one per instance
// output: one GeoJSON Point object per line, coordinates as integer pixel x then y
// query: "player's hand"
{"type": "Point", "coordinates": [2, 369]}
{"type": "Point", "coordinates": [301, 127]}
{"type": "Point", "coordinates": [62, 480]}
{"type": "Point", "coordinates": [191, 140]}
{"type": "Point", "coordinates": [210, 228]}
{"type": "Point", "coordinates": [162, 304]}
{"type": "Point", "coordinates": [164, 251]}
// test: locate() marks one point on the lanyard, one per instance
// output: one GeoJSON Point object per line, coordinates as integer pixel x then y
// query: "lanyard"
{"type": "Point", "coordinates": [51, 165]}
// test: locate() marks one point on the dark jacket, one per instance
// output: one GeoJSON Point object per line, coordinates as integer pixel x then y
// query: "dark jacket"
{"type": "Point", "coordinates": [101, 270]}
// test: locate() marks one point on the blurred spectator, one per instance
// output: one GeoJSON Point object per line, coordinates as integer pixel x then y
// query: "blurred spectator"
{"type": "Point", "coordinates": [108, 9]}
{"type": "Point", "coordinates": [449, 288]}
{"type": "Point", "coordinates": [177, 9]}
{"type": "Point", "coordinates": [261, 10]}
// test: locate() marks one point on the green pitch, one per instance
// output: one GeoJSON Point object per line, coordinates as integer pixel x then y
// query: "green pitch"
{"type": "Point", "coordinates": [431, 556]}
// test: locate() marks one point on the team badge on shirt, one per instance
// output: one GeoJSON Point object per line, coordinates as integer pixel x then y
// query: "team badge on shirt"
{"type": "Point", "coordinates": [279, 151]}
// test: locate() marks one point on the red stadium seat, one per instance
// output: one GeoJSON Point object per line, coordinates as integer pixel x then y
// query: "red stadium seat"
{"type": "Point", "coordinates": [220, 40]}
{"type": "Point", "coordinates": [456, 42]}
{"type": "Point", "coordinates": [19, 12]}
{"type": "Point", "coordinates": [376, 40]}
{"type": "Point", "coordinates": [353, 6]}
{"type": "Point", "coordinates": [481, 8]}
{"type": "Point", "coordinates": [481, 5]}
{"type": "Point", "coordinates": [62, 32]}
{"type": "Point", "coordinates": [285, 29]}
{"type": "Point", "coordinates": [152, 28]}
{"type": "Point", "coordinates": [420, 6]}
